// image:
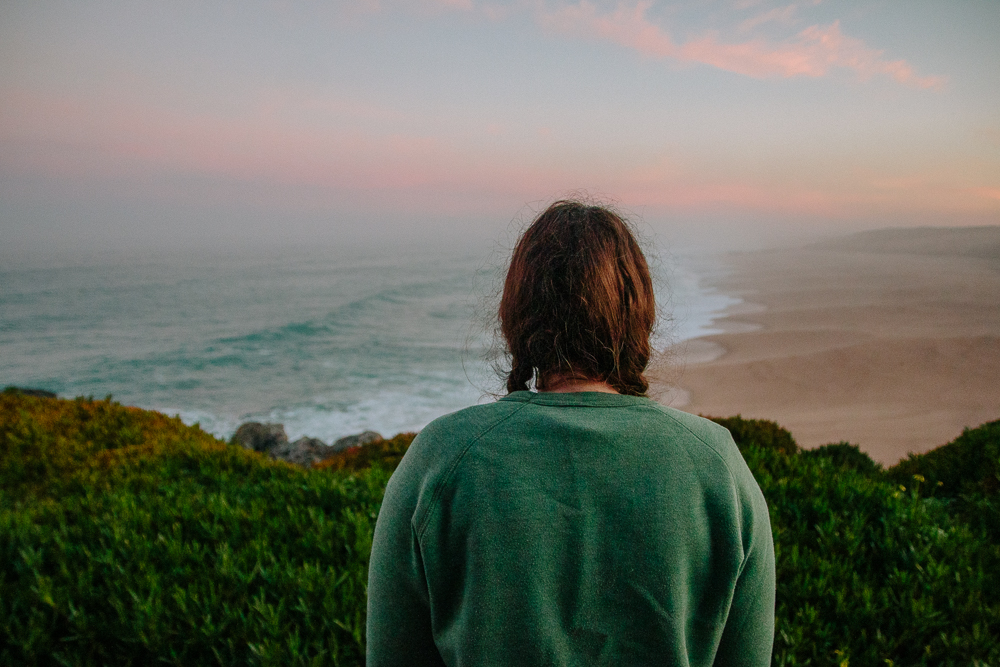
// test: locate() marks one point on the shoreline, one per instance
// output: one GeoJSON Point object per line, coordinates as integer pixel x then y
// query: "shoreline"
{"type": "Point", "coordinates": [887, 342]}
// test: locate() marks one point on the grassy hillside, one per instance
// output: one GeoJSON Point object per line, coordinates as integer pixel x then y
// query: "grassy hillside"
{"type": "Point", "coordinates": [127, 538]}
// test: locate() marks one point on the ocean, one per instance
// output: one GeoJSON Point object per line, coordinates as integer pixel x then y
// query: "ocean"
{"type": "Point", "coordinates": [327, 344]}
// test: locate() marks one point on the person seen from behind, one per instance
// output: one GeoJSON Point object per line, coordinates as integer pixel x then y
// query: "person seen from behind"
{"type": "Point", "coordinates": [581, 523]}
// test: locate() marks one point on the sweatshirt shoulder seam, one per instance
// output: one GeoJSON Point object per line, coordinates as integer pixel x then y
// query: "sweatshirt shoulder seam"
{"type": "Point", "coordinates": [439, 488]}
{"type": "Point", "coordinates": [729, 470]}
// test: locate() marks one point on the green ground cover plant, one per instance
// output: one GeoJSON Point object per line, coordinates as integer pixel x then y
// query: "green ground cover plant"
{"type": "Point", "coordinates": [970, 464]}
{"type": "Point", "coordinates": [845, 455]}
{"type": "Point", "coordinates": [965, 474]}
{"type": "Point", "coordinates": [881, 567]}
{"type": "Point", "coordinates": [128, 538]}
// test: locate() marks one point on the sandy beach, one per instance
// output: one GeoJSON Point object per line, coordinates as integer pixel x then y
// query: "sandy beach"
{"type": "Point", "coordinates": [888, 339]}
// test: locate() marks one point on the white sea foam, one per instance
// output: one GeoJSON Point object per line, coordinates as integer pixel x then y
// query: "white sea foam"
{"type": "Point", "coordinates": [327, 350]}
{"type": "Point", "coordinates": [699, 307]}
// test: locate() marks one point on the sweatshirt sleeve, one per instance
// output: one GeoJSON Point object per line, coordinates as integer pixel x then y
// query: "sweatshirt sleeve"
{"type": "Point", "coordinates": [748, 637]}
{"type": "Point", "coordinates": [399, 621]}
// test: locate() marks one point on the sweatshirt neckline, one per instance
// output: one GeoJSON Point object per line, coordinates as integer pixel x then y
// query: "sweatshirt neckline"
{"type": "Point", "coordinates": [592, 399]}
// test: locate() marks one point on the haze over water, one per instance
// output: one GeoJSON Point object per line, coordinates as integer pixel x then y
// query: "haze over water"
{"type": "Point", "coordinates": [327, 344]}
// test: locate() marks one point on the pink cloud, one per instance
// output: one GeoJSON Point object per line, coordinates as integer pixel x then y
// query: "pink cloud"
{"type": "Point", "coordinates": [272, 162]}
{"type": "Point", "coordinates": [814, 52]}
{"type": "Point", "coordinates": [779, 15]}
{"type": "Point", "coordinates": [627, 26]}
{"type": "Point", "coordinates": [670, 187]}
{"type": "Point", "coordinates": [121, 135]}
{"type": "Point", "coordinates": [285, 162]}
{"type": "Point", "coordinates": [989, 193]}
{"type": "Point", "coordinates": [271, 157]}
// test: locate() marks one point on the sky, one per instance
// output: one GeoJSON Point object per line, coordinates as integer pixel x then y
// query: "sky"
{"type": "Point", "coordinates": [131, 125]}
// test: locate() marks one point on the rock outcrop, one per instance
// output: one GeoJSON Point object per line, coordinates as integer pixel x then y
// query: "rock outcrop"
{"type": "Point", "coordinates": [305, 452]}
{"type": "Point", "coordinates": [264, 438]}
{"type": "Point", "coordinates": [272, 440]}
{"type": "Point", "coordinates": [359, 440]}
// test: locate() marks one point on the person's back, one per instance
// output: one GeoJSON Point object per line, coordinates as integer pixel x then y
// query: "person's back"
{"type": "Point", "coordinates": [573, 529]}
{"type": "Point", "coordinates": [583, 523]}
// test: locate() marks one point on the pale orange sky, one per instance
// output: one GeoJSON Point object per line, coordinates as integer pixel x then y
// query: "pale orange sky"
{"type": "Point", "coordinates": [143, 124]}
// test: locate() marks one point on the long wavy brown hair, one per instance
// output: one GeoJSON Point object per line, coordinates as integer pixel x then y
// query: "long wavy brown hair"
{"type": "Point", "coordinates": [578, 301]}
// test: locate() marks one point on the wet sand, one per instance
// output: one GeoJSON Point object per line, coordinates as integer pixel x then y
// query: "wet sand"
{"type": "Point", "coordinates": [889, 340]}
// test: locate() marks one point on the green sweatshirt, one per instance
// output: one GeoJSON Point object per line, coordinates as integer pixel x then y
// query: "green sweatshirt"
{"type": "Point", "coordinates": [571, 529]}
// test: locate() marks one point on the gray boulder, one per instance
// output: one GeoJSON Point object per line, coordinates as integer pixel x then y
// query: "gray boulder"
{"type": "Point", "coordinates": [308, 451]}
{"type": "Point", "coordinates": [359, 440]}
{"type": "Point", "coordinates": [266, 438]}
{"type": "Point", "coordinates": [272, 440]}
{"type": "Point", "coordinates": [304, 452]}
